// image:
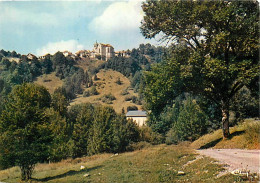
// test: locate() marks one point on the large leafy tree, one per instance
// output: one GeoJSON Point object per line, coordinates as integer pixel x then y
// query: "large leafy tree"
{"type": "Point", "coordinates": [24, 129]}
{"type": "Point", "coordinates": [220, 40]}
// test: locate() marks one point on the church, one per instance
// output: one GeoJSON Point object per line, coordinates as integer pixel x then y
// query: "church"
{"type": "Point", "coordinates": [105, 51]}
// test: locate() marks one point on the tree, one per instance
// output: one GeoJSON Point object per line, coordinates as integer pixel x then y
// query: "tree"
{"type": "Point", "coordinates": [60, 101]}
{"type": "Point", "coordinates": [221, 40]}
{"type": "Point", "coordinates": [190, 123]}
{"type": "Point", "coordinates": [24, 132]}
{"type": "Point", "coordinates": [82, 126]}
{"type": "Point", "coordinates": [60, 129]}
{"type": "Point", "coordinates": [101, 131]}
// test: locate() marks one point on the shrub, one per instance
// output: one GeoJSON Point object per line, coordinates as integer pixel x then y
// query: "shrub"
{"type": "Point", "coordinates": [118, 81]}
{"type": "Point", "coordinates": [252, 133]}
{"type": "Point", "coordinates": [244, 105]}
{"type": "Point", "coordinates": [134, 99]}
{"type": "Point", "coordinates": [132, 108]}
{"type": "Point", "coordinates": [93, 91]}
{"type": "Point", "coordinates": [86, 94]}
{"type": "Point", "coordinates": [171, 137]}
{"type": "Point", "coordinates": [148, 135]}
{"type": "Point", "coordinates": [108, 98]}
{"type": "Point", "coordinates": [138, 146]}
{"type": "Point", "coordinates": [95, 78]}
{"type": "Point", "coordinates": [125, 92]}
{"type": "Point", "coordinates": [128, 98]}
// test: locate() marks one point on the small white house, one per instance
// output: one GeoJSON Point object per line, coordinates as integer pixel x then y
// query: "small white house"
{"type": "Point", "coordinates": [140, 117]}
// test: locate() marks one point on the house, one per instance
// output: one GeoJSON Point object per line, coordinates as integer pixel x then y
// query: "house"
{"type": "Point", "coordinates": [31, 56]}
{"type": "Point", "coordinates": [105, 51]}
{"type": "Point", "coordinates": [83, 53]}
{"type": "Point", "coordinates": [123, 53]}
{"type": "Point", "coordinates": [44, 56]}
{"type": "Point", "coordinates": [67, 53]}
{"type": "Point", "coordinates": [140, 117]}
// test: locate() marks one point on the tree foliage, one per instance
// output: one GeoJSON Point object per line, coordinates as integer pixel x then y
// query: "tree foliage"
{"type": "Point", "coordinates": [220, 39]}
{"type": "Point", "coordinates": [191, 122]}
{"type": "Point", "coordinates": [99, 129]}
{"type": "Point", "coordinates": [24, 128]}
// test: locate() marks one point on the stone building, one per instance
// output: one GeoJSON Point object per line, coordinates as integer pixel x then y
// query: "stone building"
{"type": "Point", "coordinates": [105, 51]}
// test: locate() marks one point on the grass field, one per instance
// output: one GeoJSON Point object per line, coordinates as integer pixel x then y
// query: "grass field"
{"type": "Point", "coordinates": [152, 165]}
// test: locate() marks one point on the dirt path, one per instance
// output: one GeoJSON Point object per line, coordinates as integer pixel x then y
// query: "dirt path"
{"type": "Point", "coordinates": [235, 158]}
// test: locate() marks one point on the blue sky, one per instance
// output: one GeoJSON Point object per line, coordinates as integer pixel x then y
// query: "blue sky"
{"type": "Point", "coordinates": [48, 26]}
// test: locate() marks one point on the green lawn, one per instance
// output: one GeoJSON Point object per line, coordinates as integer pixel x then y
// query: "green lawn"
{"type": "Point", "coordinates": [152, 165]}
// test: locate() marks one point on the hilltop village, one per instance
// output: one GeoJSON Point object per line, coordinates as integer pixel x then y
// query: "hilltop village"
{"type": "Point", "coordinates": [100, 51]}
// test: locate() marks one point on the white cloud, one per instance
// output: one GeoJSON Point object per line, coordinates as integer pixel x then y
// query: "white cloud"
{"type": "Point", "coordinates": [11, 15]}
{"type": "Point", "coordinates": [119, 16]}
{"type": "Point", "coordinates": [70, 45]}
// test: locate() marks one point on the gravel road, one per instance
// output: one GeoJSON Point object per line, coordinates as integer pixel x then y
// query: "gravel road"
{"type": "Point", "coordinates": [235, 158]}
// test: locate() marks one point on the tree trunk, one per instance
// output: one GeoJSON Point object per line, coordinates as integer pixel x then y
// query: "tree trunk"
{"type": "Point", "coordinates": [26, 172]}
{"type": "Point", "coordinates": [225, 119]}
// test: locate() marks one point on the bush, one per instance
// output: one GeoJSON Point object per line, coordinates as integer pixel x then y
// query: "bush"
{"type": "Point", "coordinates": [244, 105]}
{"type": "Point", "coordinates": [86, 94]}
{"type": "Point", "coordinates": [138, 146]}
{"type": "Point", "coordinates": [148, 135]}
{"type": "Point", "coordinates": [108, 98]}
{"type": "Point", "coordinates": [125, 92]}
{"type": "Point", "coordinates": [134, 99]}
{"type": "Point", "coordinates": [93, 91]}
{"type": "Point", "coordinates": [171, 137]}
{"type": "Point", "coordinates": [252, 133]}
{"type": "Point", "coordinates": [95, 78]}
{"type": "Point", "coordinates": [128, 98]}
{"type": "Point", "coordinates": [132, 108]}
{"type": "Point", "coordinates": [118, 81]}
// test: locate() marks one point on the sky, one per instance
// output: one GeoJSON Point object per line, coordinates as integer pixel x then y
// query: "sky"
{"type": "Point", "coordinates": [41, 27]}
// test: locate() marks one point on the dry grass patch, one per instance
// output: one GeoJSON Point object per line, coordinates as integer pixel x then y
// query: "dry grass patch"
{"type": "Point", "coordinates": [243, 136]}
{"type": "Point", "coordinates": [49, 81]}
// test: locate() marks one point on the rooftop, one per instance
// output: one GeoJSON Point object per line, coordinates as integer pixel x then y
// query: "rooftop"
{"type": "Point", "coordinates": [136, 114]}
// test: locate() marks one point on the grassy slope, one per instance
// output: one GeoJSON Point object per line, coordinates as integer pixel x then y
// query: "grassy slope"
{"type": "Point", "coordinates": [154, 164]}
{"type": "Point", "coordinates": [243, 136]}
{"type": "Point", "coordinates": [52, 83]}
{"type": "Point", "coordinates": [105, 85]}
